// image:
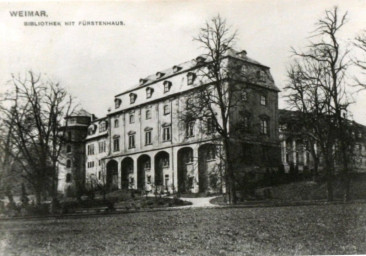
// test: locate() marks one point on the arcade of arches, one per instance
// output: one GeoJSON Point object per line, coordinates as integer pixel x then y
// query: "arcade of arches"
{"type": "Point", "coordinates": [190, 172]}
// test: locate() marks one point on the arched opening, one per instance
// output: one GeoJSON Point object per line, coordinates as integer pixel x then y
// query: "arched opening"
{"type": "Point", "coordinates": [185, 162]}
{"type": "Point", "coordinates": [143, 165]}
{"type": "Point", "coordinates": [112, 175]}
{"type": "Point", "coordinates": [161, 162]}
{"type": "Point", "coordinates": [127, 169]}
{"type": "Point", "coordinates": [206, 157]}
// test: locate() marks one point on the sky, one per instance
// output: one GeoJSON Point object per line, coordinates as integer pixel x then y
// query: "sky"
{"type": "Point", "coordinates": [94, 63]}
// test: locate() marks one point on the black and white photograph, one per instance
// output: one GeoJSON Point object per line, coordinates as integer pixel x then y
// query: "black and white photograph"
{"type": "Point", "coordinates": [137, 127]}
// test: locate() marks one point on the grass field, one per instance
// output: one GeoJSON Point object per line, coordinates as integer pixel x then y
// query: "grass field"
{"type": "Point", "coordinates": [328, 229]}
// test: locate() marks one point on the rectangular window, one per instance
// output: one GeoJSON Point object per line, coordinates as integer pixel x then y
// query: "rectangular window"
{"type": "Point", "coordinates": [102, 146]}
{"type": "Point", "coordinates": [166, 87]}
{"type": "Point", "coordinates": [210, 125]}
{"type": "Point", "coordinates": [102, 126]}
{"type": "Point", "coordinates": [116, 123]}
{"type": "Point", "coordinates": [166, 109]}
{"type": "Point", "coordinates": [131, 141]}
{"type": "Point", "coordinates": [190, 129]}
{"type": "Point", "coordinates": [166, 133]}
{"type": "Point", "coordinates": [148, 138]}
{"type": "Point", "coordinates": [91, 149]}
{"type": "Point", "coordinates": [263, 100]}
{"type": "Point", "coordinates": [116, 144]}
{"type": "Point", "coordinates": [132, 118]}
{"type": "Point", "coordinates": [148, 114]}
{"type": "Point", "coordinates": [264, 127]}
{"type": "Point", "coordinates": [148, 93]}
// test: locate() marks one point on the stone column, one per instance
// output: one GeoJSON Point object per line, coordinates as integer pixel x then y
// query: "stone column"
{"type": "Point", "coordinates": [134, 175]}
{"type": "Point", "coordinates": [173, 164]}
{"type": "Point", "coordinates": [294, 151]}
{"type": "Point", "coordinates": [152, 169]}
{"type": "Point", "coordinates": [119, 169]}
{"type": "Point", "coordinates": [284, 152]}
{"type": "Point", "coordinates": [195, 168]}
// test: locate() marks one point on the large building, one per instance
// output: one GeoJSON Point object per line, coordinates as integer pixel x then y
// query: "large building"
{"type": "Point", "coordinates": [144, 143]}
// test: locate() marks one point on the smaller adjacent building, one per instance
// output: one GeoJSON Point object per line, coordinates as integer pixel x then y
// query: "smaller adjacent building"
{"type": "Point", "coordinates": [296, 154]}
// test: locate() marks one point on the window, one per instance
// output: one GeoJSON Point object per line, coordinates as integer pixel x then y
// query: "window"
{"type": "Point", "coordinates": [261, 75]}
{"type": "Point", "coordinates": [117, 103]}
{"type": "Point", "coordinates": [167, 85]}
{"type": "Point", "coordinates": [189, 103]}
{"type": "Point", "coordinates": [132, 118]}
{"type": "Point", "coordinates": [68, 177]}
{"type": "Point", "coordinates": [210, 125]}
{"type": "Point", "coordinates": [116, 123]}
{"type": "Point", "coordinates": [263, 100]}
{"type": "Point", "coordinates": [148, 179]}
{"type": "Point", "coordinates": [69, 135]}
{"type": "Point", "coordinates": [148, 138]}
{"type": "Point", "coordinates": [100, 162]}
{"type": "Point", "coordinates": [91, 149]}
{"type": "Point", "coordinates": [166, 133]}
{"type": "Point", "coordinates": [68, 148]}
{"type": "Point", "coordinates": [132, 98]}
{"type": "Point", "coordinates": [131, 141]}
{"type": "Point", "coordinates": [148, 114]}
{"type": "Point", "coordinates": [68, 163]}
{"type": "Point", "coordinates": [149, 92]}
{"type": "Point", "coordinates": [190, 78]}
{"type": "Point", "coordinates": [102, 126]}
{"type": "Point", "coordinates": [264, 127]}
{"type": "Point", "coordinates": [244, 96]}
{"type": "Point", "coordinates": [211, 152]}
{"type": "Point", "coordinates": [99, 174]}
{"type": "Point", "coordinates": [116, 144]}
{"type": "Point", "coordinates": [189, 157]}
{"type": "Point", "coordinates": [148, 165]}
{"type": "Point", "coordinates": [190, 129]}
{"type": "Point", "coordinates": [91, 164]}
{"type": "Point", "coordinates": [165, 162]}
{"type": "Point", "coordinates": [166, 109]}
{"type": "Point", "coordinates": [102, 146]}
{"type": "Point", "coordinates": [176, 69]}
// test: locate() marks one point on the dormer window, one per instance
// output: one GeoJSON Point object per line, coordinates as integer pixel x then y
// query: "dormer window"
{"type": "Point", "coordinates": [117, 103]}
{"type": "Point", "coordinates": [149, 92]}
{"type": "Point", "coordinates": [143, 81]}
{"type": "Point", "coordinates": [261, 75]}
{"type": "Point", "coordinates": [159, 75]}
{"type": "Point", "coordinates": [190, 78]}
{"type": "Point", "coordinates": [200, 60]}
{"type": "Point", "coordinates": [132, 98]}
{"type": "Point", "coordinates": [167, 85]}
{"type": "Point", "coordinates": [102, 126]}
{"type": "Point", "coordinates": [176, 69]}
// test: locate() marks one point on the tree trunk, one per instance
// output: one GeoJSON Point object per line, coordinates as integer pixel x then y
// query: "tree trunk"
{"type": "Point", "coordinates": [229, 173]}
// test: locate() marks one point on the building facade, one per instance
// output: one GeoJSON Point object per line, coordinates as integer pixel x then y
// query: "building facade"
{"type": "Point", "coordinates": [143, 142]}
{"type": "Point", "coordinates": [296, 152]}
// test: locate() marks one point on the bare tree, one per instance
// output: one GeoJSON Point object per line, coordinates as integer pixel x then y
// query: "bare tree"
{"type": "Point", "coordinates": [218, 95]}
{"type": "Point", "coordinates": [32, 115]}
{"type": "Point", "coordinates": [318, 89]}
{"type": "Point", "coordinates": [360, 61]}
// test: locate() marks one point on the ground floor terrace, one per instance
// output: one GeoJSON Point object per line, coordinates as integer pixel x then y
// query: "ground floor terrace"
{"type": "Point", "coordinates": [192, 168]}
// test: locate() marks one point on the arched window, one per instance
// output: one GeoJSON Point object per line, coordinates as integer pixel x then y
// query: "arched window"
{"type": "Point", "coordinates": [68, 177]}
{"type": "Point", "coordinates": [68, 163]}
{"type": "Point", "coordinates": [116, 123]}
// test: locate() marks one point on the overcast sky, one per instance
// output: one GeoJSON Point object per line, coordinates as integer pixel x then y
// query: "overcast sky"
{"type": "Point", "coordinates": [95, 63]}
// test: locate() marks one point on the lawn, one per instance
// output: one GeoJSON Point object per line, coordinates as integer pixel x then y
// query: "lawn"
{"type": "Point", "coordinates": [326, 229]}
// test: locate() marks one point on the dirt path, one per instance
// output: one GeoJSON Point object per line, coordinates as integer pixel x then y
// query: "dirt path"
{"type": "Point", "coordinates": [199, 202]}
